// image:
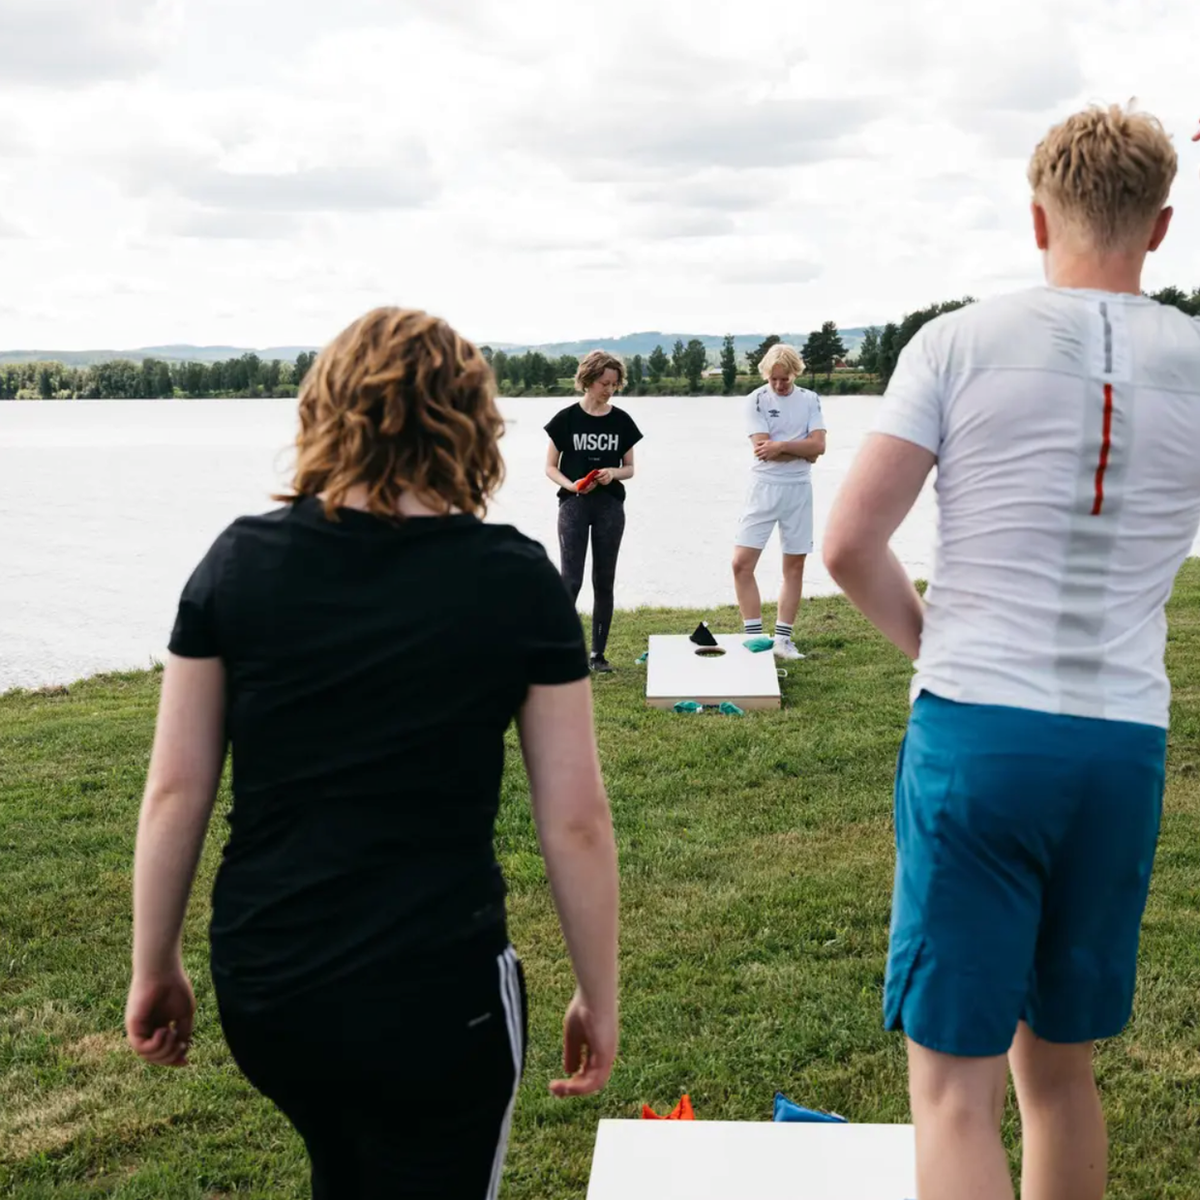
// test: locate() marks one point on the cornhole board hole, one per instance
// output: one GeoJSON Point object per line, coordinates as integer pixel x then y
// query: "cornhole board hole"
{"type": "Point", "coordinates": [678, 669]}
{"type": "Point", "coordinates": [752, 1160]}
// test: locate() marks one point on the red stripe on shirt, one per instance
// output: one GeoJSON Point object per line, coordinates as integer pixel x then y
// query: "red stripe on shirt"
{"type": "Point", "coordinates": [1105, 448]}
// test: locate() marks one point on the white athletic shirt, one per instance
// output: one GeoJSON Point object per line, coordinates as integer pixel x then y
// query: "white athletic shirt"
{"type": "Point", "coordinates": [789, 418]}
{"type": "Point", "coordinates": [1067, 429]}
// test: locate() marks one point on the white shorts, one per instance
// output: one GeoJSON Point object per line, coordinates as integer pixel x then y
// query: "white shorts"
{"type": "Point", "coordinates": [787, 504]}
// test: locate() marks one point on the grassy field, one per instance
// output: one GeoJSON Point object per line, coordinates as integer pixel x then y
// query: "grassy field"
{"type": "Point", "coordinates": [756, 858]}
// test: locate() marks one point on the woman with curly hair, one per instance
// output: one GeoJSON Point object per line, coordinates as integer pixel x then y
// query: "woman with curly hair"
{"type": "Point", "coordinates": [359, 951]}
{"type": "Point", "coordinates": [590, 454]}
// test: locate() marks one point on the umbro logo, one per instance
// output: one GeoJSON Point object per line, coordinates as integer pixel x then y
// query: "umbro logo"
{"type": "Point", "coordinates": [772, 412]}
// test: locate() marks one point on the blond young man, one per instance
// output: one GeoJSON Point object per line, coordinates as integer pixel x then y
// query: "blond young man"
{"type": "Point", "coordinates": [1064, 421]}
{"type": "Point", "coordinates": [787, 434]}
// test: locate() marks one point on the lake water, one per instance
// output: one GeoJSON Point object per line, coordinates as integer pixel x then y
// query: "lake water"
{"type": "Point", "coordinates": [106, 506]}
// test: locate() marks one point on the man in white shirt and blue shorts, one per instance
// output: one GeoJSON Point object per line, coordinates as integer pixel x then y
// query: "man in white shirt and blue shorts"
{"type": "Point", "coordinates": [787, 435]}
{"type": "Point", "coordinates": [1064, 422]}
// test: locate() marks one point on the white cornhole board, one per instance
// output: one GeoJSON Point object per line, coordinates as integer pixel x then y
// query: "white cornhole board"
{"type": "Point", "coordinates": [752, 1160]}
{"type": "Point", "coordinates": [675, 671]}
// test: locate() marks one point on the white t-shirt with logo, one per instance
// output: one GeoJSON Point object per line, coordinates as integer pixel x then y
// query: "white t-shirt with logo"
{"type": "Point", "coordinates": [789, 418]}
{"type": "Point", "coordinates": [1067, 429]}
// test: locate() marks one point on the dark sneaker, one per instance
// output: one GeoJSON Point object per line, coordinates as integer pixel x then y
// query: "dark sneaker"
{"type": "Point", "coordinates": [601, 664]}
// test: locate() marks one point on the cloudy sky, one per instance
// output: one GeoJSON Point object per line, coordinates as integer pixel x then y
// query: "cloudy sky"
{"type": "Point", "coordinates": [259, 172]}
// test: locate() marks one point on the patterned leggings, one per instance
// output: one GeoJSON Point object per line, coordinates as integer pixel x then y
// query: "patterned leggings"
{"type": "Point", "coordinates": [603, 518]}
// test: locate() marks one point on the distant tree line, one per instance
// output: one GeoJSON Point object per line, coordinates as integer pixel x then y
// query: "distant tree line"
{"type": "Point", "coordinates": [682, 372]}
{"type": "Point", "coordinates": [533, 374]}
{"type": "Point", "coordinates": [153, 378]}
{"type": "Point", "coordinates": [880, 348]}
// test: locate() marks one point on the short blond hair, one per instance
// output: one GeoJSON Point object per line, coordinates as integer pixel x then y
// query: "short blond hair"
{"type": "Point", "coordinates": [782, 355]}
{"type": "Point", "coordinates": [592, 366]}
{"type": "Point", "coordinates": [1107, 172]}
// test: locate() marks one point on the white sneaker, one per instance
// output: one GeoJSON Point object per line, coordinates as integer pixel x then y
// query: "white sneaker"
{"type": "Point", "coordinates": [786, 648]}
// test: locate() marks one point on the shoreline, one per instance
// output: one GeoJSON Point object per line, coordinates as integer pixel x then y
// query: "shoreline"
{"type": "Point", "coordinates": [635, 614]}
{"type": "Point", "coordinates": [545, 394]}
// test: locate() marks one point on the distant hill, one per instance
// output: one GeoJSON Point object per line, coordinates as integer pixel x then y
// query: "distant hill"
{"type": "Point", "coordinates": [627, 346]}
{"type": "Point", "coordinates": [644, 343]}
{"type": "Point", "coordinates": [204, 354]}
{"type": "Point", "coordinates": [222, 353]}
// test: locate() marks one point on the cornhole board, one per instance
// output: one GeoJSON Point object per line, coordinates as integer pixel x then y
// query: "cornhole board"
{"type": "Point", "coordinates": [678, 669]}
{"type": "Point", "coordinates": [752, 1160]}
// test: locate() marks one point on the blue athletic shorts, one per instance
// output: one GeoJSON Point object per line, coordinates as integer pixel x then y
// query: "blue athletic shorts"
{"type": "Point", "coordinates": [1024, 845]}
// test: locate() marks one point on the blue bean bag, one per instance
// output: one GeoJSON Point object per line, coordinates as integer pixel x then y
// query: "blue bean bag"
{"type": "Point", "coordinates": [785, 1110]}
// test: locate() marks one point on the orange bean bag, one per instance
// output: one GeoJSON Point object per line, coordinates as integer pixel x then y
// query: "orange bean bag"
{"type": "Point", "coordinates": [682, 1112]}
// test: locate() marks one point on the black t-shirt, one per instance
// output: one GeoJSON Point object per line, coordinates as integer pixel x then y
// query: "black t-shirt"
{"type": "Point", "coordinates": [373, 668]}
{"type": "Point", "coordinates": [588, 443]}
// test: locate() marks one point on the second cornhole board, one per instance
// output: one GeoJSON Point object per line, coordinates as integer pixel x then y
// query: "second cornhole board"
{"type": "Point", "coordinates": [677, 669]}
{"type": "Point", "coordinates": [752, 1160]}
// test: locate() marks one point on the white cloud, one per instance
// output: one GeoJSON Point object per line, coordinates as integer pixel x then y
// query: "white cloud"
{"type": "Point", "coordinates": [223, 158]}
{"type": "Point", "coordinates": [221, 224]}
{"type": "Point", "coordinates": [670, 223]}
{"type": "Point", "coordinates": [727, 191]}
{"type": "Point", "coordinates": [313, 189]}
{"type": "Point", "coordinates": [518, 240]}
{"type": "Point", "coordinates": [44, 314]}
{"type": "Point", "coordinates": [213, 171]}
{"type": "Point", "coordinates": [1005, 134]}
{"type": "Point", "coordinates": [605, 260]}
{"type": "Point", "coordinates": [778, 272]}
{"type": "Point", "coordinates": [13, 143]}
{"type": "Point", "coordinates": [72, 43]}
{"type": "Point", "coordinates": [619, 139]}
{"type": "Point", "coordinates": [1036, 75]}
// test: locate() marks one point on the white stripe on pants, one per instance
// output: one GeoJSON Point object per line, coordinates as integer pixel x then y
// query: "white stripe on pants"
{"type": "Point", "coordinates": [510, 997]}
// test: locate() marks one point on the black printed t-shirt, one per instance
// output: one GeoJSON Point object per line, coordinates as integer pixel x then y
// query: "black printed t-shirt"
{"type": "Point", "coordinates": [372, 668]}
{"type": "Point", "coordinates": [587, 443]}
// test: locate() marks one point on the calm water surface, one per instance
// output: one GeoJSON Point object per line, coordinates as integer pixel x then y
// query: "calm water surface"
{"type": "Point", "coordinates": [106, 506]}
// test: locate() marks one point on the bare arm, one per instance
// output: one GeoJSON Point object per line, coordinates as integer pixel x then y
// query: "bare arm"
{"type": "Point", "coordinates": [181, 786]}
{"type": "Point", "coordinates": [879, 491]}
{"type": "Point", "coordinates": [570, 809]}
{"type": "Point", "coordinates": [810, 448]}
{"type": "Point", "coordinates": [625, 471]}
{"type": "Point", "coordinates": [553, 473]}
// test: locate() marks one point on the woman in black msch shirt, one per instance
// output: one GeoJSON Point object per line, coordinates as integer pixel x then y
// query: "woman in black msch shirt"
{"type": "Point", "coordinates": [593, 435]}
{"type": "Point", "coordinates": [358, 944]}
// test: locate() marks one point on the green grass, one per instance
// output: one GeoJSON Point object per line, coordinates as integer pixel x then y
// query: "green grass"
{"type": "Point", "coordinates": [756, 858]}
